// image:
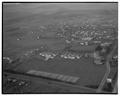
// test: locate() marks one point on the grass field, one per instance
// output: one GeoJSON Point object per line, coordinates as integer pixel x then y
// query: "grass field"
{"type": "Point", "coordinates": [89, 73]}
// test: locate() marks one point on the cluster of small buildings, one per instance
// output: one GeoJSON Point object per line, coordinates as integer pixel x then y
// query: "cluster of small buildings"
{"type": "Point", "coordinates": [114, 61]}
{"type": "Point", "coordinates": [66, 55]}
{"type": "Point", "coordinates": [31, 52]}
{"type": "Point", "coordinates": [8, 59]}
{"type": "Point", "coordinates": [82, 33]}
{"type": "Point", "coordinates": [17, 85]}
{"type": "Point", "coordinates": [70, 56]}
{"type": "Point", "coordinates": [101, 52]}
{"type": "Point", "coordinates": [47, 55]}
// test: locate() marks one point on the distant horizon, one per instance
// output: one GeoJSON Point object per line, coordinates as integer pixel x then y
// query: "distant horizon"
{"type": "Point", "coordinates": [72, 5]}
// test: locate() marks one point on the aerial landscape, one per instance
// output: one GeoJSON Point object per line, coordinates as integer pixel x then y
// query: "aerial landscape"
{"type": "Point", "coordinates": [59, 48]}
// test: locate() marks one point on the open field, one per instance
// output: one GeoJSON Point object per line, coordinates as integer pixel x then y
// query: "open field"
{"type": "Point", "coordinates": [68, 67]}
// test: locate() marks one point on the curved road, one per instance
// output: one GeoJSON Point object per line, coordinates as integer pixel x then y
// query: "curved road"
{"type": "Point", "coordinates": [108, 70]}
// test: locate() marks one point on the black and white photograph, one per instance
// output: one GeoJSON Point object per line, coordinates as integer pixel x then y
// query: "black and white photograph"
{"type": "Point", "coordinates": [59, 47]}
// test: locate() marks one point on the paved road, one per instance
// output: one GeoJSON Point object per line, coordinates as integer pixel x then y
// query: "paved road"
{"type": "Point", "coordinates": [108, 70]}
